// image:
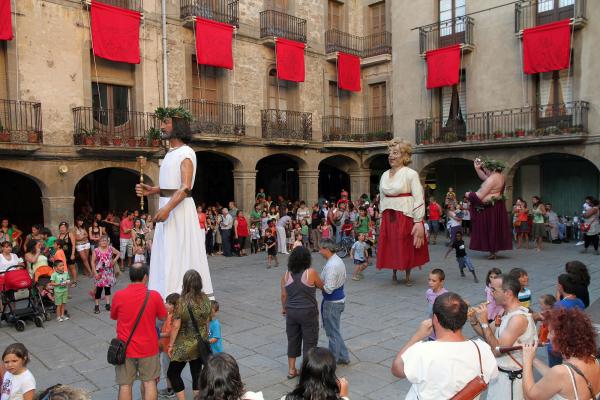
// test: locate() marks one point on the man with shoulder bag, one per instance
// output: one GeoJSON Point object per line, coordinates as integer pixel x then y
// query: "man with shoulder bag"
{"type": "Point", "coordinates": [451, 367]}
{"type": "Point", "coordinates": [134, 351]}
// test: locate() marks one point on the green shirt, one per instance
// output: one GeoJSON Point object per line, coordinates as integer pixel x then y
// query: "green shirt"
{"type": "Point", "coordinates": [363, 224]}
{"type": "Point", "coordinates": [58, 277]}
{"type": "Point", "coordinates": [255, 216]}
{"type": "Point", "coordinates": [538, 217]}
{"type": "Point", "coordinates": [304, 229]}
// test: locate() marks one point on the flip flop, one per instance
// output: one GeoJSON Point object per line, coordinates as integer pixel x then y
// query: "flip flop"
{"type": "Point", "coordinates": [293, 375]}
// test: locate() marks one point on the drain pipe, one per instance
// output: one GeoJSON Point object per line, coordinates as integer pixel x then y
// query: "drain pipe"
{"type": "Point", "coordinates": [165, 54]}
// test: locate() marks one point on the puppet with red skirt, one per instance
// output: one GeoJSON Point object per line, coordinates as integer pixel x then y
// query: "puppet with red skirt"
{"type": "Point", "coordinates": [402, 244]}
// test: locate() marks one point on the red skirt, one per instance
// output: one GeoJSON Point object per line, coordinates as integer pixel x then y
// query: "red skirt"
{"type": "Point", "coordinates": [395, 249]}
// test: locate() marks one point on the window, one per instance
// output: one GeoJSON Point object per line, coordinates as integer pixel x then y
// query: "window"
{"type": "Point", "coordinates": [110, 103]}
{"type": "Point", "coordinates": [277, 5]}
{"type": "Point", "coordinates": [338, 100]}
{"type": "Point", "coordinates": [554, 10]}
{"type": "Point", "coordinates": [3, 75]}
{"type": "Point", "coordinates": [279, 91]}
{"type": "Point", "coordinates": [377, 17]}
{"type": "Point", "coordinates": [378, 99]}
{"type": "Point", "coordinates": [453, 109]}
{"type": "Point", "coordinates": [335, 15]}
{"type": "Point", "coordinates": [204, 81]}
{"type": "Point", "coordinates": [452, 27]}
{"type": "Point", "coordinates": [554, 92]}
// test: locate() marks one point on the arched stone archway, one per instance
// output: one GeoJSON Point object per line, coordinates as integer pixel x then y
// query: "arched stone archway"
{"type": "Point", "coordinates": [214, 179]}
{"type": "Point", "coordinates": [558, 178]}
{"type": "Point", "coordinates": [277, 174]}
{"type": "Point", "coordinates": [440, 175]}
{"type": "Point", "coordinates": [22, 200]}
{"type": "Point", "coordinates": [334, 176]}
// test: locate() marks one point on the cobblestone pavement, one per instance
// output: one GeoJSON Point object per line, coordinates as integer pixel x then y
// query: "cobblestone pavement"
{"type": "Point", "coordinates": [379, 318]}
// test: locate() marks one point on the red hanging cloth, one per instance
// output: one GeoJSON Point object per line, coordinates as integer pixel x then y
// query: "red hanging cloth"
{"type": "Point", "coordinates": [5, 21]}
{"type": "Point", "coordinates": [116, 33]}
{"type": "Point", "coordinates": [213, 43]}
{"type": "Point", "coordinates": [547, 47]}
{"type": "Point", "coordinates": [290, 60]}
{"type": "Point", "coordinates": [348, 72]}
{"type": "Point", "coordinates": [443, 66]}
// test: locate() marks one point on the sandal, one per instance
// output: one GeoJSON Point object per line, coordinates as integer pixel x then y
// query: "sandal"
{"type": "Point", "coordinates": [292, 374]}
{"type": "Point", "coordinates": [74, 284]}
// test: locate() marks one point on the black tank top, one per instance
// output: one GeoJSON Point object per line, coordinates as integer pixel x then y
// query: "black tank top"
{"type": "Point", "coordinates": [299, 295]}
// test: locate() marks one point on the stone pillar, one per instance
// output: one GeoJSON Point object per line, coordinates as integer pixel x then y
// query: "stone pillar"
{"type": "Point", "coordinates": [309, 186]}
{"type": "Point", "coordinates": [360, 182]}
{"type": "Point", "coordinates": [56, 210]}
{"type": "Point", "coordinates": [244, 188]}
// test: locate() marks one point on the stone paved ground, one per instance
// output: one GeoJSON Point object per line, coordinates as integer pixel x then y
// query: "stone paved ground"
{"type": "Point", "coordinates": [379, 318]}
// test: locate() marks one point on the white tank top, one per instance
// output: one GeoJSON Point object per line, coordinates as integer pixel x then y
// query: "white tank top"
{"type": "Point", "coordinates": [530, 334]}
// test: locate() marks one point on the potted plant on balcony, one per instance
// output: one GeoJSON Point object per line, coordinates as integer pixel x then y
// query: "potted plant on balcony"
{"type": "Point", "coordinates": [4, 134]}
{"type": "Point", "coordinates": [154, 136]}
{"type": "Point", "coordinates": [520, 132]}
{"type": "Point", "coordinates": [117, 140]}
{"type": "Point", "coordinates": [88, 136]}
{"type": "Point", "coordinates": [32, 137]}
{"type": "Point", "coordinates": [498, 134]}
{"type": "Point", "coordinates": [552, 130]}
{"type": "Point", "coordinates": [132, 141]}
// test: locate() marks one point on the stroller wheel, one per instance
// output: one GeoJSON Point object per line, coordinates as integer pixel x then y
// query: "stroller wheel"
{"type": "Point", "coordinates": [20, 325]}
{"type": "Point", "coordinates": [47, 316]}
{"type": "Point", "coordinates": [39, 321]}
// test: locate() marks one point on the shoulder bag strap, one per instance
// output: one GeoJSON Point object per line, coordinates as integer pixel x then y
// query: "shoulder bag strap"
{"type": "Point", "coordinates": [194, 323]}
{"type": "Point", "coordinates": [137, 321]}
{"type": "Point", "coordinates": [479, 355]}
{"type": "Point", "coordinates": [578, 372]}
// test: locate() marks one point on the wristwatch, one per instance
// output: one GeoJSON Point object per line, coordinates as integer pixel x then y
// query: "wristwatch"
{"type": "Point", "coordinates": [483, 326]}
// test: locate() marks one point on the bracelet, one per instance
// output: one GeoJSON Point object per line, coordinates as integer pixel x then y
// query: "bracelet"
{"type": "Point", "coordinates": [483, 326]}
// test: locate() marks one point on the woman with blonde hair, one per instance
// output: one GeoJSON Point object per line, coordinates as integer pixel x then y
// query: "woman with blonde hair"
{"type": "Point", "coordinates": [402, 244]}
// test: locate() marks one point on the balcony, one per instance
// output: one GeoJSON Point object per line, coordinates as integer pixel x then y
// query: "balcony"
{"type": "Point", "coordinates": [277, 24]}
{"type": "Point", "coordinates": [20, 122]}
{"type": "Point", "coordinates": [530, 13]}
{"type": "Point", "coordinates": [565, 122]}
{"type": "Point", "coordinates": [286, 125]}
{"type": "Point", "coordinates": [115, 129]}
{"type": "Point", "coordinates": [375, 45]}
{"type": "Point", "coordinates": [357, 130]}
{"type": "Point", "coordinates": [134, 5]}
{"type": "Point", "coordinates": [441, 34]}
{"type": "Point", "coordinates": [215, 120]}
{"type": "Point", "coordinates": [226, 11]}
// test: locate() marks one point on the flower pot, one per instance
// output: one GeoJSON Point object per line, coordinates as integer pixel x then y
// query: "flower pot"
{"type": "Point", "coordinates": [520, 133]}
{"type": "Point", "coordinates": [143, 142]}
{"type": "Point", "coordinates": [131, 142]}
{"type": "Point", "coordinates": [89, 141]}
{"type": "Point", "coordinates": [117, 141]}
{"type": "Point", "coordinates": [32, 137]}
{"type": "Point", "coordinates": [5, 136]}
{"type": "Point", "coordinates": [155, 142]}
{"type": "Point", "coordinates": [426, 141]}
{"type": "Point", "coordinates": [104, 141]}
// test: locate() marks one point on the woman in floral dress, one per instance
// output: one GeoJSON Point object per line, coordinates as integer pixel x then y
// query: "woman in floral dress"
{"type": "Point", "coordinates": [104, 259]}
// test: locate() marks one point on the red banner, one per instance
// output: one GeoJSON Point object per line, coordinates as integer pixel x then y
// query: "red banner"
{"type": "Point", "coordinates": [443, 66]}
{"type": "Point", "coordinates": [116, 33]}
{"type": "Point", "coordinates": [290, 60]}
{"type": "Point", "coordinates": [348, 72]}
{"type": "Point", "coordinates": [213, 43]}
{"type": "Point", "coordinates": [5, 20]}
{"type": "Point", "coordinates": [547, 47]}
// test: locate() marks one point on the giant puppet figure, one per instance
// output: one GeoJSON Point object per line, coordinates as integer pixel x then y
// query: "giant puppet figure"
{"type": "Point", "coordinates": [490, 228]}
{"type": "Point", "coordinates": [178, 243]}
{"type": "Point", "coordinates": [402, 244]}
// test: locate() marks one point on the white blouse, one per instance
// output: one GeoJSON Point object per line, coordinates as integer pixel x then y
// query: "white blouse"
{"type": "Point", "coordinates": [406, 180]}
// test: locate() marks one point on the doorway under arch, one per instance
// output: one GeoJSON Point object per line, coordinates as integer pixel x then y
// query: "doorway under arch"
{"type": "Point", "coordinates": [457, 173]}
{"type": "Point", "coordinates": [214, 179]}
{"type": "Point", "coordinates": [334, 177]}
{"type": "Point", "coordinates": [278, 175]}
{"type": "Point", "coordinates": [378, 165]}
{"type": "Point", "coordinates": [22, 204]}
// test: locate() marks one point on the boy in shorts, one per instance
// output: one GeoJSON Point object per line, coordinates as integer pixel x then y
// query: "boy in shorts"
{"type": "Point", "coordinates": [359, 255]}
{"type": "Point", "coordinates": [60, 281]}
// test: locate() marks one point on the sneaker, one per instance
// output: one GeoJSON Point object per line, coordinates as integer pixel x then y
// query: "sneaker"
{"type": "Point", "coordinates": [580, 243]}
{"type": "Point", "coordinates": [355, 278]}
{"type": "Point", "coordinates": [107, 307]}
{"type": "Point", "coordinates": [167, 393]}
{"type": "Point", "coordinates": [65, 318]}
{"type": "Point", "coordinates": [96, 309]}
{"type": "Point", "coordinates": [59, 319]}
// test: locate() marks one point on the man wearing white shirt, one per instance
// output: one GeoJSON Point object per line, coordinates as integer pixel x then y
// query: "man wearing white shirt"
{"type": "Point", "coordinates": [439, 369]}
{"type": "Point", "coordinates": [281, 235]}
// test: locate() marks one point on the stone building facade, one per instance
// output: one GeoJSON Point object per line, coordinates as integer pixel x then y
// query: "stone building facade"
{"type": "Point", "coordinates": [75, 123]}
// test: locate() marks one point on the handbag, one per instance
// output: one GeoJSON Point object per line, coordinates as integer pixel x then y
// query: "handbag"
{"type": "Point", "coordinates": [517, 223]}
{"type": "Point", "coordinates": [203, 346]}
{"type": "Point", "coordinates": [117, 349]}
{"type": "Point", "coordinates": [475, 386]}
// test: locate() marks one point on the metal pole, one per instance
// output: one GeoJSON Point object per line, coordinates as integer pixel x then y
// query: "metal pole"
{"type": "Point", "coordinates": [165, 53]}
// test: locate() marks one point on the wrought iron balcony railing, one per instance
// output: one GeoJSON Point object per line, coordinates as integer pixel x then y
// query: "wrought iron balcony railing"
{"type": "Point", "coordinates": [134, 5]}
{"type": "Point", "coordinates": [20, 121]}
{"type": "Point", "coordinates": [215, 118]}
{"type": "Point", "coordinates": [347, 129]}
{"type": "Point", "coordinates": [527, 122]}
{"type": "Point", "coordinates": [530, 13]}
{"type": "Point", "coordinates": [277, 24]}
{"type": "Point", "coordinates": [226, 11]}
{"type": "Point", "coordinates": [362, 46]}
{"type": "Point", "coordinates": [115, 128]}
{"type": "Point", "coordinates": [285, 124]}
{"type": "Point", "coordinates": [457, 30]}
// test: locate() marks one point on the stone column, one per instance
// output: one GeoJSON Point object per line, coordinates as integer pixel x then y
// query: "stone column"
{"type": "Point", "coordinates": [309, 186]}
{"type": "Point", "coordinates": [360, 182]}
{"type": "Point", "coordinates": [244, 188]}
{"type": "Point", "coordinates": [56, 210]}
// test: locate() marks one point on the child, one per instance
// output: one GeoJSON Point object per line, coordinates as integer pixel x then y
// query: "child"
{"type": "Point", "coordinates": [271, 244]}
{"type": "Point", "coordinates": [210, 244]}
{"type": "Point", "coordinates": [18, 381]}
{"type": "Point", "coordinates": [214, 330]}
{"type": "Point", "coordinates": [358, 252]}
{"type": "Point", "coordinates": [304, 231]}
{"type": "Point", "coordinates": [298, 241]}
{"type": "Point", "coordinates": [139, 251]}
{"type": "Point", "coordinates": [347, 228]}
{"type": "Point", "coordinates": [461, 256]}
{"type": "Point", "coordinates": [524, 293]}
{"type": "Point", "coordinates": [254, 237]}
{"type": "Point", "coordinates": [60, 283]}
{"type": "Point", "coordinates": [547, 302]}
{"type": "Point", "coordinates": [450, 196]}
{"type": "Point", "coordinates": [163, 343]}
{"type": "Point", "coordinates": [325, 230]}
{"type": "Point", "coordinates": [264, 223]}
{"type": "Point", "coordinates": [436, 280]}
{"type": "Point", "coordinates": [59, 253]}
{"type": "Point", "coordinates": [494, 310]}
{"type": "Point", "coordinates": [104, 273]}
{"type": "Point", "coordinates": [372, 250]}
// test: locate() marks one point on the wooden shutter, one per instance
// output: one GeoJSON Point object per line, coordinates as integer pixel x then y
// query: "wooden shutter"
{"type": "Point", "coordinates": [447, 98]}
{"type": "Point", "coordinates": [335, 15]}
{"type": "Point", "coordinates": [378, 98]}
{"type": "Point", "coordinates": [377, 17]}
{"type": "Point", "coordinates": [277, 5]}
{"type": "Point", "coordinates": [3, 77]}
{"type": "Point", "coordinates": [116, 73]}
{"type": "Point", "coordinates": [278, 97]}
{"type": "Point", "coordinates": [205, 83]}
{"type": "Point", "coordinates": [338, 100]}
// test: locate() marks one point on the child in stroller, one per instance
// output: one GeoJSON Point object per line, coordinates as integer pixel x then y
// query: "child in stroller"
{"type": "Point", "coordinates": [45, 293]}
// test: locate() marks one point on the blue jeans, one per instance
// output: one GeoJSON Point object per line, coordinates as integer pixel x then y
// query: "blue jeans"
{"type": "Point", "coordinates": [465, 262]}
{"type": "Point", "coordinates": [332, 314]}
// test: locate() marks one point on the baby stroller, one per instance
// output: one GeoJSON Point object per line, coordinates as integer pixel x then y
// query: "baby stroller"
{"type": "Point", "coordinates": [12, 280]}
{"type": "Point", "coordinates": [43, 295]}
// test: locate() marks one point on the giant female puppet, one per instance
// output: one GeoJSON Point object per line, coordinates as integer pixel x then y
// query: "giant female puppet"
{"type": "Point", "coordinates": [402, 244]}
{"type": "Point", "coordinates": [178, 240]}
{"type": "Point", "coordinates": [490, 227]}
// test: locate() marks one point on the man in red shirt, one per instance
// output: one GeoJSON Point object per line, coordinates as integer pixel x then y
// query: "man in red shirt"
{"type": "Point", "coordinates": [125, 243]}
{"type": "Point", "coordinates": [435, 214]}
{"type": "Point", "coordinates": [141, 358]}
